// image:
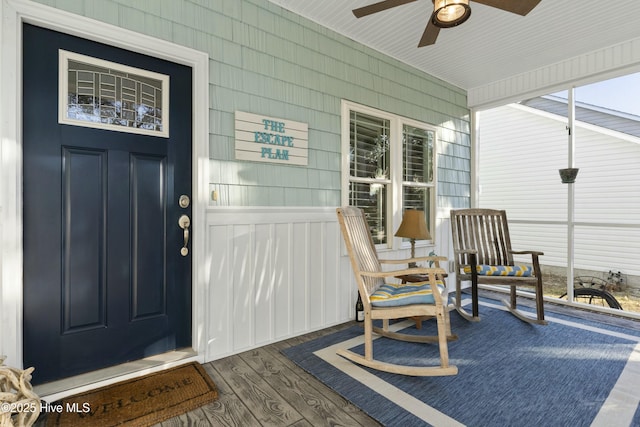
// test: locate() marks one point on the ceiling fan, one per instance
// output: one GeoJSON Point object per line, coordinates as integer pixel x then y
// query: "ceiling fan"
{"type": "Point", "coordinates": [448, 13]}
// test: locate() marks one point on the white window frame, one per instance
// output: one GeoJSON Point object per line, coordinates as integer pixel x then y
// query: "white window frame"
{"type": "Point", "coordinates": [395, 186]}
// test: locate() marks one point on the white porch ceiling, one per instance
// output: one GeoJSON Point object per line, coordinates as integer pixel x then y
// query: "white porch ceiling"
{"type": "Point", "coordinates": [492, 45]}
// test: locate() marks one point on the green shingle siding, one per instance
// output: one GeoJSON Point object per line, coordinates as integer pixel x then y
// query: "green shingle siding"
{"type": "Point", "coordinates": [266, 60]}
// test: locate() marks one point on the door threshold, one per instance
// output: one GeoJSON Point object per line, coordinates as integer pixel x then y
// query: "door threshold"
{"type": "Point", "coordinates": [56, 390]}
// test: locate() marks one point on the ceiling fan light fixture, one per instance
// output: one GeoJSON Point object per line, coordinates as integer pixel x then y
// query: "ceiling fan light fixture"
{"type": "Point", "coordinates": [449, 13]}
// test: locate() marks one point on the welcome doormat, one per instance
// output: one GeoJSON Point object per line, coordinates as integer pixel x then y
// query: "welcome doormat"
{"type": "Point", "coordinates": [140, 401]}
{"type": "Point", "coordinates": [572, 372]}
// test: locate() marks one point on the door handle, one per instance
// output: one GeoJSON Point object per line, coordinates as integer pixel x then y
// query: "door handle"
{"type": "Point", "coordinates": [184, 222]}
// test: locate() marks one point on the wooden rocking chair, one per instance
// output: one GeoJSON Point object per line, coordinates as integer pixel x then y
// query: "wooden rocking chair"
{"type": "Point", "coordinates": [483, 254]}
{"type": "Point", "coordinates": [394, 301]}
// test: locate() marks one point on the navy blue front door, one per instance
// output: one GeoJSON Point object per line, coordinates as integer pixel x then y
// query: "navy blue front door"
{"type": "Point", "coordinates": [104, 278]}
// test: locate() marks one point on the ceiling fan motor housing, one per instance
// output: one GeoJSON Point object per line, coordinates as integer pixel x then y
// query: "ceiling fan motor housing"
{"type": "Point", "coordinates": [449, 13]}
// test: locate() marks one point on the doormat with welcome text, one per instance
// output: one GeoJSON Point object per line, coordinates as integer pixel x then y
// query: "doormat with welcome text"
{"type": "Point", "coordinates": [140, 401]}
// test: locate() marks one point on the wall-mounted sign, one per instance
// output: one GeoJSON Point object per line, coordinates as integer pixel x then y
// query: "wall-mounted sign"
{"type": "Point", "coordinates": [267, 139]}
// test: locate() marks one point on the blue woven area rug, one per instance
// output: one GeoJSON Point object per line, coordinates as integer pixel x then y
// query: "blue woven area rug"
{"type": "Point", "coordinates": [572, 372]}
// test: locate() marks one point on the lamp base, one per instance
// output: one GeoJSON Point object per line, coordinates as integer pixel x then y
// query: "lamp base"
{"type": "Point", "coordinates": [413, 253]}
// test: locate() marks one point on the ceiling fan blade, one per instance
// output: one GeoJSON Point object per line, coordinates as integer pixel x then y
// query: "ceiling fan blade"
{"type": "Point", "coordinates": [430, 34]}
{"type": "Point", "coordinates": [378, 7]}
{"type": "Point", "coordinates": [521, 7]}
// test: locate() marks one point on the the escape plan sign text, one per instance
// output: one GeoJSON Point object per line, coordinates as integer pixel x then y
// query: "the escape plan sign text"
{"type": "Point", "coordinates": [268, 139]}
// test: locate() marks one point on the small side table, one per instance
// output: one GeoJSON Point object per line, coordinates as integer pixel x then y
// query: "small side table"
{"type": "Point", "coordinates": [414, 278]}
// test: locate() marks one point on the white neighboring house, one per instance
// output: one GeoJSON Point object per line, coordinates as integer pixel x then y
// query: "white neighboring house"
{"type": "Point", "coordinates": [521, 148]}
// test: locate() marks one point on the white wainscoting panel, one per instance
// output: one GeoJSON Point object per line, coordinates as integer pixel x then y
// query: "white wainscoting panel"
{"type": "Point", "coordinates": [273, 273]}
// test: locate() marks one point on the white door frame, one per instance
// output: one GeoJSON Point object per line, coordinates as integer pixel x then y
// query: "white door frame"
{"type": "Point", "coordinates": [13, 14]}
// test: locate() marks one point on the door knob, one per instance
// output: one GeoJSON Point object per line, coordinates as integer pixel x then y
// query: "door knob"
{"type": "Point", "coordinates": [184, 222]}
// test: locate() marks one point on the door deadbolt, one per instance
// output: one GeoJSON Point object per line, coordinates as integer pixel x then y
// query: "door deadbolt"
{"type": "Point", "coordinates": [184, 201]}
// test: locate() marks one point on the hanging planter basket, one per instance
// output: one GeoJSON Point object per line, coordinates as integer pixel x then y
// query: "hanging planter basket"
{"type": "Point", "coordinates": [568, 175]}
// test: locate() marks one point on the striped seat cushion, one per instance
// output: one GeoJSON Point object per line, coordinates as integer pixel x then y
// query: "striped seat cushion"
{"type": "Point", "coordinates": [393, 295]}
{"type": "Point", "coordinates": [519, 270]}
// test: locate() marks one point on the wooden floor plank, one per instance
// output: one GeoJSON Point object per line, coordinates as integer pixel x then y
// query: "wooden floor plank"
{"type": "Point", "coordinates": [228, 410]}
{"type": "Point", "coordinates": [308, 400]}
{"type": "Point", "coordinates": [316, 404]}
{"type": "Point", "coordinates": [328, 394]}
{"type": "Point", "coordinates": [264, 402]}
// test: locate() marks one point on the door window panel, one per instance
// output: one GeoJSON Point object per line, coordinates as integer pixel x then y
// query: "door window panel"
{"type": "Point", "coordinates": [102, 94]}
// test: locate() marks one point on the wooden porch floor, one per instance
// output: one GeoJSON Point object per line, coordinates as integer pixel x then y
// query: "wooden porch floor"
{"type": "Point", "coordinates": [262, 387]}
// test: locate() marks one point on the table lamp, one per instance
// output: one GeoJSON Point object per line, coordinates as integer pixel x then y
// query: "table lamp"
{"type": "Point", "coordinates": [413, 227]}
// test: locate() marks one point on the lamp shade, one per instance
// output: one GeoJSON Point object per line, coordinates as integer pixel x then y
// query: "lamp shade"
{"type": "Point", "coordinates": [413, 226]}
{"type": "Point", "coordinates": [449, 13]}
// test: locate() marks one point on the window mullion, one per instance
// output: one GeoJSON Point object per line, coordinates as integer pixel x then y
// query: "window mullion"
{"type": "Point", "coordinates": [395, 216]}
{"type": "Point", "coordinates": [369, 180]}
{"type": "Point", "coordinates": [417, 184]}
